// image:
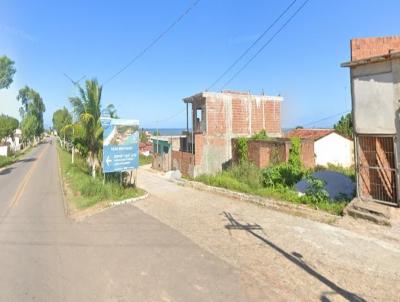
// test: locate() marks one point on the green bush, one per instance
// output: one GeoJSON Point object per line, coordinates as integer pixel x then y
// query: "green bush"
{"type": "Point", "coordinates": [262, 135]}
{"type": "Point", "coordinates": [242, 149]}
{"type": "Point", "coordinates": [145, 160]}
{"type": "Point", "coordinates": [316, 192]}
{"type": "Point", "coordinates": [276, 181]}
{"type": "Point", "coordinates": [247, 173]}
{"type": "Point", "coordinates": [294, 153]}
{"type": "Point", "coordinates": [282, 175]}
{"type": "Point", "coordinates": [86, 191]}
{"type": "Point", "coordinates": [5, 161]}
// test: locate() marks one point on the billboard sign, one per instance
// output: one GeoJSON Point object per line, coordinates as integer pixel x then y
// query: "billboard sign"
{"type": "Point", "coordinates": [120, 144]}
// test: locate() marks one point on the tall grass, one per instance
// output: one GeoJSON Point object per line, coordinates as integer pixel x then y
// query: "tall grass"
{"type": "Point", "coordinates": [247, 178]}
{"type": "Point", "coordinates": [6, 160]}
{"type": "Point", "coordinates": [86, 191]}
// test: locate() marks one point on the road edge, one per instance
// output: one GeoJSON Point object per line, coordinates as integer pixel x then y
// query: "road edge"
{"type": "Point", "coordinates": [299, 210]}
{"type": "Point", "coordinates": [61, 182]}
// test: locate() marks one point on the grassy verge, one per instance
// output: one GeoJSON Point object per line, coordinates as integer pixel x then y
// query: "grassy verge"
{"type": "Point", "coordinates": [83, 191]}
{"type": "Point", "coordinates": [249, 180]}
{"type": "Point", "coordinates": [145, 160]}
{"type": "Point", "coordinates": [8, 160]}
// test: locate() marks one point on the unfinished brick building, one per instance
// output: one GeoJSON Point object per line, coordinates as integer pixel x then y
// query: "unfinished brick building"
{"type": "Point", "coordinates": [375, 82]}
{"type": "Point", "coordinates": [217, 118]}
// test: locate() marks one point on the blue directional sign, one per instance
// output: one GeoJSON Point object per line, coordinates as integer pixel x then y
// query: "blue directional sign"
{"type": "Point", "coordinates": [120, 144]}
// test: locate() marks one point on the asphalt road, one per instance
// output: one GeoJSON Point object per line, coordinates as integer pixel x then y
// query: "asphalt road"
{"type": "Point", "coordinates": [121, 254]}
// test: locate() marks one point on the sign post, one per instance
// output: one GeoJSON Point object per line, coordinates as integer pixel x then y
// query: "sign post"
{"type": "Point", "coordinates": [120, 144]}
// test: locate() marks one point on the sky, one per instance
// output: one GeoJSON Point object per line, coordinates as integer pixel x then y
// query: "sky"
{"type": "Point", "coordinates": [97, 38]}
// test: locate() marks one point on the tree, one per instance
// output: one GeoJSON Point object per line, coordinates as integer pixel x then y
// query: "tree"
{"type": "Point", "coordinates": [112, 111]}
{"type": "Point", "coordinates": [8, 125]}
{"type": "Point", "coordinates": [61, 118]}
{"type": "Point", "coordinates": [143, 136]}
{"type": "Point", "coordinates": [345, 125]}
{"type": "Point", "coordinates": [32, 104]}
{"type": "Point", "coordinates": [7, 71]}
{"type": "Point", "coordinates": [30, 126]}
{"type": "Point", "coordinates": [87, 109]}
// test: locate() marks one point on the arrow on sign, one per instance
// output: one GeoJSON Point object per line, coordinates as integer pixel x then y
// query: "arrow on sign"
{"type": "Point", "coordinates": [108, 160]}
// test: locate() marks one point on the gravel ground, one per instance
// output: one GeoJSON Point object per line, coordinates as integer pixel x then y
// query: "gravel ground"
{"type": "Point", "coordinates": [281, 257]}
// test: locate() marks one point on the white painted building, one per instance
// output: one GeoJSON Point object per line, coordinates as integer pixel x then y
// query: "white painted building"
{"type": "Point", "coordinates": [334, 149]}
{"type": "Point", "coordinates": [329, 146]}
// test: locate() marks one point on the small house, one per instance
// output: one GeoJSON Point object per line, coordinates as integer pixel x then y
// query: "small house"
{"type": "Point", "coordinates": [330, 147]}
{"type": "Point", "coordinates": [162, 148]}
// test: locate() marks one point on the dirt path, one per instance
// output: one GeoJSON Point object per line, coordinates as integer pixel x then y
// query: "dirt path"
{"type": "Point", "coordinates": [280, 257]}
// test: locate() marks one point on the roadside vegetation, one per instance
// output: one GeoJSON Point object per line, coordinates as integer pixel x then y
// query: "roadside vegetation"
{"type": "Point", "coordinates": [83, 190]}
{"type": "Point", "coordinates": [81, 134]}
{"type": "Point", "coordinates": [144, 160]}
{"type": "Point", "coordinates": [276, 181]}
{"type": "Point", "coordinates": [8, 160]}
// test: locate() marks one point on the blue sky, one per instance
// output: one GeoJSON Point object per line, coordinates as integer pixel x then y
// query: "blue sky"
{"type": "Point", "coordinates": [97, 38]}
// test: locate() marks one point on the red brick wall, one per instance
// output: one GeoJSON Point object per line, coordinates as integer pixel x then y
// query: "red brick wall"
{"type": "Point", "coordinates": [240, 122]}
{"type": "Point", "coordinates": [370, 47]}
{"type": "Point", "coordinates": [266, 153]}
{"type": "Point", "coordinates": [216, 118]}
{"type": "Point", "coordinates": [198, 145]}
{"type": "Point", "coordinates": [183, 161]}
{"type": "Point", "coordinates": [266, 115]}
{"type": "Point", "coordinates": [272, 111]}
{"type": "Point", "coordinates": [257, 118]}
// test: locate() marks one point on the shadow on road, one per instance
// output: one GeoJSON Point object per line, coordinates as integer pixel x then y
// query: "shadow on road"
{"type": "Point", "coordinates": [294, 257]}
{"type": "Point", "coordinates": [27, 160]}
{"type": "Point", "coordinates": [6, 171]}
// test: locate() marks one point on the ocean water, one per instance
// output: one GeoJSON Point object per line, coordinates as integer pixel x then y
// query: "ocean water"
{"type": "Point", "coordinates": [167, 131]}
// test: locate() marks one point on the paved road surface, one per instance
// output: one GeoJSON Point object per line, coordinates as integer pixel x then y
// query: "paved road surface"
{"type": "Point", "coordinates": [178, 245]}
{"type": "Point", "coordinates": [281, 257]}
{"type": "Point", "coordinates": [119, 255]}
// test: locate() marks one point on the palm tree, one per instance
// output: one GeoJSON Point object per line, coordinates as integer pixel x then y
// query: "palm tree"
{"type": "Point", "coordinates": [87, 109]}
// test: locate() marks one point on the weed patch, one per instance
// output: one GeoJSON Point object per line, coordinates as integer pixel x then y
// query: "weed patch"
{"type": "Point", "coordinates": [276, 182]}
{"type": "Point", "coordinates": [86, 191]}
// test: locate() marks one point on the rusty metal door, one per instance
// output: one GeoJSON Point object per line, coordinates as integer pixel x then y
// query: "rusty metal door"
{"type": "Point", "coordinates": [376, 165]}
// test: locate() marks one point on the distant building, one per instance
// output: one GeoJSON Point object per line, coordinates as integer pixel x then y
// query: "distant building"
{"type": "Point", "coordinates": [375, 87]}
{"type": "Point", "coordinates": [163, 146]}
{"type": "Point", "coordinates": [145, 148]}
{"type": "Point", "coordinates": [329, 146]}
{"type": "Point", "coordinates": [216, 118]}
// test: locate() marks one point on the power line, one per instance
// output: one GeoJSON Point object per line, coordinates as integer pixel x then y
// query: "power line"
{"type": "Point", "coordinates": [75, 83]}
{"type": "Point", "coordinates": [252, 45]}
{"type": "Point", "coordinates": [171, 116]}
{"type": "Point", "coordinates": [265, 45]}
{"type": "Point", "coordinates": [326, 118]}
{"type": "Point", "coordinates": [153, 42]}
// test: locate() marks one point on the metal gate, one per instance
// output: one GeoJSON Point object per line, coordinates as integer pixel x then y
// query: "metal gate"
{"type": "Point", "coordinates": [377, 168]}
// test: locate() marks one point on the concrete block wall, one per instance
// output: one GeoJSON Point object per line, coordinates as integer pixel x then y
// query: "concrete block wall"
{"type": "Point", "coordinates": [363, 48]}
